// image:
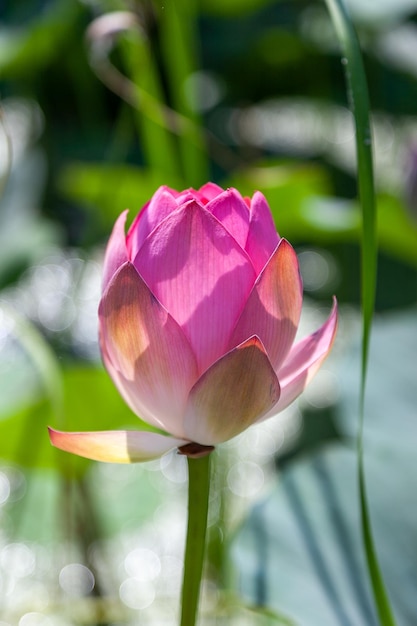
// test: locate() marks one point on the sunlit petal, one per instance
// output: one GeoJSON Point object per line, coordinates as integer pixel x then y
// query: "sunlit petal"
{"type": "Point", "coordinates": [273, 309]}
{"type": "Point", "coordinates": [160, 206]}
{"type": "Point", "coordinates": [304, 360]}
{"type": "Point", "coordinates": [263, 237]}
{"type": "Point", "coordinates": [116, 251]}
{"type": "Point", "coordinates": [148, 349]}
{"type": "Point", "coordinates": [201, 276]}
{"type": "Point", "coordinates": [233, 213]}
{"type": "Point", "coordinates": [231, 395]}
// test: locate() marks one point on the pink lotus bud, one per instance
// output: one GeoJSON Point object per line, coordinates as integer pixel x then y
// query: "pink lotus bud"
{"type": "Point", "coordinates": [201, 303]}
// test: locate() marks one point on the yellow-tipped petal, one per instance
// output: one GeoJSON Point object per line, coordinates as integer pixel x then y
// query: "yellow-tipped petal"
{"type": "Point", "coordinates": [117, 446]}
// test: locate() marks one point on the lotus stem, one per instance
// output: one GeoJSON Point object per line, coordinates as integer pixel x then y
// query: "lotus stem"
{"type": "Point", "coordinates": [198, 499]}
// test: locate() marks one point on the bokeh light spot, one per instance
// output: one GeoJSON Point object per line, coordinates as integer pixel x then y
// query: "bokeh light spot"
{"type": "Point", "coordinates": [143, 564]}
{"type": "Point", "coordinates": [245, 479]}
{"type": "Point", "coordinates": [76, 580]}
{"type": "Point", "coordinates": [136, 594]}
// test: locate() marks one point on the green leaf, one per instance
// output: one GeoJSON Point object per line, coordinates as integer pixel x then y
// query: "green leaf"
{"type": "Point", "coordinates": [300, 551]}
{"type": "Point", "coordinates": [109, 189]}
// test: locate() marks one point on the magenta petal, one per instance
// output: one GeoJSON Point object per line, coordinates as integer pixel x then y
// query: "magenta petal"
{"type": "Point", "coordinates": [263, 237]}
{"type": "Point", "coordinates": [116, 251]}
{"type": "Point", "coordinates": [141, 341]}
{"type": "Point", "coordinates": [304, 360]}
{"type": "Point", "coordinates": [208, 191]}
{"type": "Point", "coordinates": [117, 446]}
{"type": "Point", "coordinates": [273, 309]}
{"type": "Point", "coordinates": [200, 274]}
{"type": "Point", "coordinates": [232, 212]}
{"type": "Point", "coordinates": [231, 395]}
{"type": "Point", "coordinates": [159, 207]}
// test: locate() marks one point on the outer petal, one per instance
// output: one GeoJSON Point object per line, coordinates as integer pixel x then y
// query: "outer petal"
{"type": "Point", "coordinates": [263, 237]}
{"type": "Point", "coordinates": [161, 204]}
{"type": "Point", "coordinates": [232, 212]}
{"type": "Point", "coordinates": [304, 360]}
{"type": "Point", "coordinates": [154, 361]}
{"type": "Point", "coordinates": [115, 446]}
{"type": "Point", "coordinates": [273, 309]}
{"type": "Point", "coordinates": [200, 274]}
{"type": "Point", "coordinates": [231, 395]}
{"type": "Point", "coordinates": [116, 251]}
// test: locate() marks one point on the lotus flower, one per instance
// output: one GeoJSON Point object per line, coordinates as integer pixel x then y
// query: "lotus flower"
{"type": "Point", "coordinates": [201, 304]}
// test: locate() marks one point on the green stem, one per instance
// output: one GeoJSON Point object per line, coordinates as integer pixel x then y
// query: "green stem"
{"type": "Point", "coordinates": [198, 497]}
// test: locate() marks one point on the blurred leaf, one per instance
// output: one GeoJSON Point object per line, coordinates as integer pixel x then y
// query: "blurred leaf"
{"type": "Point", "coordinates": [391, 390]}
{"type": "Point", "coordinates": [382, 12]}
{"type": "Point", "coordinates": [232, 605]}
{"type": "Point", "coordinates": [286, 188]}
{"type": "Point", "coordinates": [109, 189]}
{"type": "Point", "coordinates": [303, 540]}
{"type": "Point", "coordinates": [233, 7]}
{"type": "Point", "coordinates": [397, 231]}
{"type": "Point", "coordinates": [91, 402]}
{"type": "Point", "coordinates": [303, 210]}
{"type": "Point", "coordinates": [37, 516]}
{"type": "Point", "coordinates": [24, 437]}
{"type": "Point", "coordinates": [26, 49]}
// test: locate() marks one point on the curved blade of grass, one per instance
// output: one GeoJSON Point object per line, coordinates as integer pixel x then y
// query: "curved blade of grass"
{"type": "Point", "coordinates": [40, 355]}
{"type": "Point", "coordinates": [141, 87]}
{"type": "Point", "coordinates": [4, 176]}
{"type": "Point", "coordinates": [29, 440]}
{"type": "Point", "coordinates": [358, 96]}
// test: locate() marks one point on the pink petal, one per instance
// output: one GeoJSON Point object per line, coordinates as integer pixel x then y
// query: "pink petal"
{"type": "Point", "coordinates": [207, 192]}
{"type": "Point", "coordinates": [200, 274]}
{"type": "Point", "coordinates": [232, 212]}
{"type": "Point", "coordinates": [231, 395]}
{"type": "Point", "coordinates": [155, 364]}
{"type": "Point", "coordinates": [273, 309]}
{"type": "Point", "coordinates": [116, 251]}
{"type": "Point", "coordinates": [304, 360]}
{"type": "Point", "coordinates": [117, 446]}
{"type": "Point", "coordinates": [161, 204]}
{"type": "Point", "coordinates": [263, 237]}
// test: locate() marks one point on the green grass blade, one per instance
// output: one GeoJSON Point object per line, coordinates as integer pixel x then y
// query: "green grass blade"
{"type": "Point", "coordinates": [358, 95]}
{"type": "Point", "coordinates": [157, 140]}
{"type": "Point", "coordinates": [178, 33]}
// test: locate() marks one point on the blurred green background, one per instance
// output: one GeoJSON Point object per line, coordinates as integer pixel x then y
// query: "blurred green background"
{"type": "Point", "coordinates": [97, 110]}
